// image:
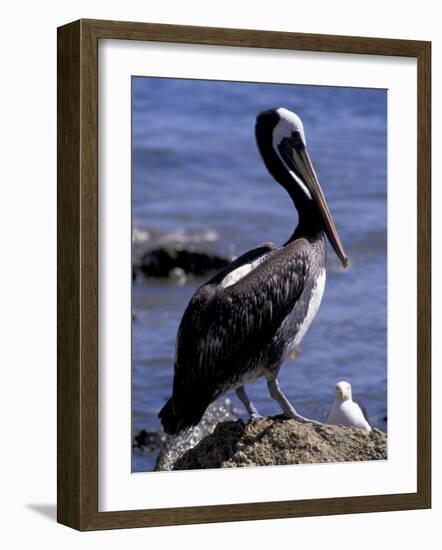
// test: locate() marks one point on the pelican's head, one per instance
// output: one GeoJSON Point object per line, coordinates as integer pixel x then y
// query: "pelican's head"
{"type": "Point", "coordinates": [343, 391]}
{"type": "Point", "coordinates": [281, 142]}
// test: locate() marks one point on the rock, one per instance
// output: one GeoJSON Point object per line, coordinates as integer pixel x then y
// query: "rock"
{"type": "Point", "coordinates": [147, 440]}
{"type": "Point", "coordinates": [277, 441]}
{"type": "Point", "coordinates": [164, 261]}
{"type": "Point", "coordinates": [174, 447]}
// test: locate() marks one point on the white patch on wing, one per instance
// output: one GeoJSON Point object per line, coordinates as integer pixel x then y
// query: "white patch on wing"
{"type": "Point", "coordinates": [241, 271]}
{"type": "Point", "coordinates": [315, 302]}
{"type": "Point", "coordinates": [235, 275]}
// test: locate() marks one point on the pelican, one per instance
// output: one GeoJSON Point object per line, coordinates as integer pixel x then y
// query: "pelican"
{"type": "Point", "coordinates": [345, 411]}
{"type": "Point", "coordinates": [242, 324]}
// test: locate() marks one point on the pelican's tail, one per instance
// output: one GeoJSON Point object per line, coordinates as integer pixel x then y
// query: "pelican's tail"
{"type": "Point", "coordinates": [177, 417]}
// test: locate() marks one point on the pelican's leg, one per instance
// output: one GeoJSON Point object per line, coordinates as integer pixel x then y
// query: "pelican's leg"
{"type": "Point", "coordinates": [287, 407]}
{"type": "Point", "coordinates": [244, 398]}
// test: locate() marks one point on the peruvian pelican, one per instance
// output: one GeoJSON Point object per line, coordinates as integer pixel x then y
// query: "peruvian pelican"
{"type": "Point", "coordinates": [243, 323]}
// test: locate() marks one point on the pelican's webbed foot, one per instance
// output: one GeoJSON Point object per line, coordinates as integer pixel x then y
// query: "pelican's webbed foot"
{"type": "Point", "coordinates": [287, 408]}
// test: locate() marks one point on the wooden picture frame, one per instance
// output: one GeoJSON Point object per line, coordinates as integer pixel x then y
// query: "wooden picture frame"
{"type": "Point", "coordinates": [78, 274]}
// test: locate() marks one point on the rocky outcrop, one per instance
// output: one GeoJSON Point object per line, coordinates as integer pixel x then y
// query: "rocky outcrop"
{"type": "Point", "coordinates": [173, 447]}
{"type": "Point", "coordinates": [277, 441]}
{"type": "Point", "coordinates": [171, 260]}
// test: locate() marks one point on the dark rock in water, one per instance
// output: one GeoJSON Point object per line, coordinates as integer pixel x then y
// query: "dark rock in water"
{"type": "Point", "coordinates": [147, 440]}
{"type": "Point", "coordinates": [277, 441]}
{"type": "Point", "coordinates": [160, 262]}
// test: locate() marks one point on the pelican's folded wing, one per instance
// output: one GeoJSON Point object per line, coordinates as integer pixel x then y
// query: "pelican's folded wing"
{"type": "Point", "coordinates": [224, 327]}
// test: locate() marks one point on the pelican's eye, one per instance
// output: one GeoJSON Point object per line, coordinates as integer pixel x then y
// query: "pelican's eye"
{"type": "Point", "coordinates": [296, 140]}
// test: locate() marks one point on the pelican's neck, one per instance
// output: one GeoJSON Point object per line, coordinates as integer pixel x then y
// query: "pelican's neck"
{"type": "Point", "coordinates": [310, 222]}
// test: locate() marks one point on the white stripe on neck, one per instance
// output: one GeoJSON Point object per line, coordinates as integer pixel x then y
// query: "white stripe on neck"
{"type": "Point", "coordinates": [282, 130]}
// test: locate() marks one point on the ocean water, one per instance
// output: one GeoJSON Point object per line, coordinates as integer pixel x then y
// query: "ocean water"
{"type": "Point", "coordinates": [198, 180]}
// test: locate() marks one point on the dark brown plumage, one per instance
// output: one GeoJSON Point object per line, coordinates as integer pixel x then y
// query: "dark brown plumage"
{"type": "Point", "coordinates": [242, 324]}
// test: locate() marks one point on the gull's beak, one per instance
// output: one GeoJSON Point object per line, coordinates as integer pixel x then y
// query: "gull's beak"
{"type": "Point", "coordinates": [298, 160]}
{"type": "Point", "coordinates": [343, 392]}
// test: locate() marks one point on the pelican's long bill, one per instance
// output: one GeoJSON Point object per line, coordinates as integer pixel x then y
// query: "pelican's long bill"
{"type": "Point", "coordinates": [298, 161]}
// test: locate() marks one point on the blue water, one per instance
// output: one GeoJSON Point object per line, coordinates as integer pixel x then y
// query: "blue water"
{"type": "Point", "coordinates": [197, 178]}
